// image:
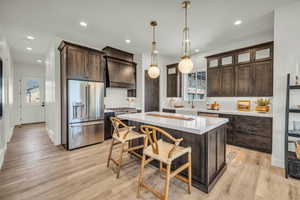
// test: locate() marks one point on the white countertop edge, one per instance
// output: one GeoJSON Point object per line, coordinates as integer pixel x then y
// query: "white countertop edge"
{"type": "Point", "coordinates": [184, 129]}
{"type": "Point", "coordinates": [229, 112]}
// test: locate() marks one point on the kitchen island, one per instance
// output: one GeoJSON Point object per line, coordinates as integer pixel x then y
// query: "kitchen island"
{"type": "Point", "coordinates": [205, 135]}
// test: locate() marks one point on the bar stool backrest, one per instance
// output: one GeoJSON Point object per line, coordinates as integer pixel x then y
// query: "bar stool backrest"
{"type": "Point", "coordinates": [151, 132]}
{"type": "Point", "coordinates": [117, 124]}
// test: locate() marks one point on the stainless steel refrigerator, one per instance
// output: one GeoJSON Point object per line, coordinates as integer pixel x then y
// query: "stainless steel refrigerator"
{"type": "Point", "coordinates": [85, 113]}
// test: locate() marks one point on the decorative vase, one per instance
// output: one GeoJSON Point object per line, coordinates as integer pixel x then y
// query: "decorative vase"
{"type": "Point", "coordinates": [263, 109]}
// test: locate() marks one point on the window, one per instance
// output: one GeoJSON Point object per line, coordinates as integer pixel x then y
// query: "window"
{"type": "Point", "coordinates": [195, 86]}
{"type": "Point", "coordinates": [32, 92]}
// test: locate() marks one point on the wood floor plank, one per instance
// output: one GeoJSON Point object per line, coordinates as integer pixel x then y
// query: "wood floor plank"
{"type": "Point", "coordinates": [36, 169]}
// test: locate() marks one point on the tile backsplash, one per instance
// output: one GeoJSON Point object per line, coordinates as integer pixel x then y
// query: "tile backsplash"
{"type": "Point", "coordinates": [117, 97]}
{"type": "Point", "coordinates": [226, 103]}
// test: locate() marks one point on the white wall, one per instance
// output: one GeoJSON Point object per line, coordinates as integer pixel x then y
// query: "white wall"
{"type": "Point", "coordinates": [7, 120]}
{"type": "Point", "coordinates": [286, 55]}
{"type": "Point", "coordinates": [25, 70]}
{"type": "Point", "coordinates": [52, 93]}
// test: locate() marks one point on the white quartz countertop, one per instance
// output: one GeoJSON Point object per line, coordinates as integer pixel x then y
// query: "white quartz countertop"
{"type": "Point", "coordinates": [199, 125]}
{"type": "Point", "coordinates": [229, 112]}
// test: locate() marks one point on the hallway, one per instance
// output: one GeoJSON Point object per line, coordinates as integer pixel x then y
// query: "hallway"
{"type": "Point", "coordinates": [37, 170]}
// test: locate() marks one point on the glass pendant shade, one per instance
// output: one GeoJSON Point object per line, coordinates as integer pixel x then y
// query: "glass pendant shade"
{"type": "Point", "coordinates": [186, 65]}
{"type": "Point", "coordinates": [153, 70]}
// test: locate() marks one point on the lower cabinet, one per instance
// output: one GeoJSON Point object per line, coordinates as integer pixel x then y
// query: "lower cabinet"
{"type": "Point", "coordinates": [250, 132]}
{"type": "Point", "coordinates": [108, 126]}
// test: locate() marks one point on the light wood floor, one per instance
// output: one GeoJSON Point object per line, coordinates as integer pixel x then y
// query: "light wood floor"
{"type": "Point", "coordinates": [35, 169]}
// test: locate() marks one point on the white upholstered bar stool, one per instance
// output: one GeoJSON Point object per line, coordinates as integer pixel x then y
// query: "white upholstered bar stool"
{"type": "Point", "coordinates": [165, 153]}
{"type": "Point", "coordinates": [123, 135]}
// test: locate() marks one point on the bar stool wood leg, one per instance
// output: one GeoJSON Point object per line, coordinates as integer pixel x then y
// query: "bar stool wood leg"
{"type": "Point", "coordinates": [190, 172]}
{"type": "Point", "coordinates": [167, 184]}
{"type": "Point", "coordinates": [110, 151]}
{"type": "Point", "coordinates": [120, 160]}
{"type": "Point", "coordinates": [141, 178]}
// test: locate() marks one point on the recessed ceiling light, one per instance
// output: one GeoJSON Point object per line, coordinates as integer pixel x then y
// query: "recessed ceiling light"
{"type": "Point", "coordinates": [29, 48]}
{"type": "Point", "coordinates": [39, 61]}
{"type": "Point", "coordinates": [238, 22]}
{"type": "Point", "coordinates": [196, 50]}
{"type": "Point", "coordinates": [128, 41]}
{"type": "Point", "coordinates": [29, 37]}
{"type": "Point", "coordinates": [83, 24]}
{"type": "Point", "coordinates": [155, 51]}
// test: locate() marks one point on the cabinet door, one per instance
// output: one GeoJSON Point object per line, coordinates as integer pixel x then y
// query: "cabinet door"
{"type": "Point", "coordinates": [213, 82]}
{"type": "Point", "coordinates": [243, 57]}
{"type": "Point", "coordinates": [95, 70]}
{"type": "Point", "coordinates": [263, 76]}
{"type": "Point", "coordinates": [212, 62]}
{"type": "Point", "coordinates": [244, 80]}
{"type": "Point", "coordinates": [76, 62]}
{"type": "Point", "coordinates": [227, 82]}
{"type": "Point", "coordinates": [263, 53]}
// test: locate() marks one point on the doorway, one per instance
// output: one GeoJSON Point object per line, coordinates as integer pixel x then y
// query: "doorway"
{"type": "Point", "coordinates": [151, 93]}
{"type": "Point", "coordinates": [31, 99]}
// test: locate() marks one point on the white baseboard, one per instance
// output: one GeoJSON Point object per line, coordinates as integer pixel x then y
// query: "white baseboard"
{"type": "Point", "coordinates": [10, 134]}
{"type": "Point", "coordinates": [2, 153]}
{"type": "Point", "coordinates": [277, 162]}
{"type": "Point", "coordinates": [51, 134]}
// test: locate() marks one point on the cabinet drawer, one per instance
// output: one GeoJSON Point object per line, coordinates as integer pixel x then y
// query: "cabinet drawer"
{"type": "Point", "coordinates": [259, 126]}
{"type": "Point", "coordinates": [83, 134]}
{"type": "Point", "coordinates": [253, 142]}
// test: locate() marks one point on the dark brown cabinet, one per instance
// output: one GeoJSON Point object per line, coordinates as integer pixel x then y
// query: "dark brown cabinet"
{"type": "Point", "coordinates": [95, 67]}
{"type": "Point", "coordinates": [213, 82]}
{"type": "Point", "coordinates": [250, 132]}
{"type": "Point", "coordinates": [76, 59]}
{"type": "Point", "coordinates": [174, 81]}
{"type": "Point", "coordinates": [263, 76]}
{"type": "Point", "coordinates": [244, 80]}
{"type": "Point", "coordinates": [83, 63]}
{"type": "Point", "coordinates": [243, 72]}
{"type": "Point", "coordinates": [227, 81]}
{"type": "Point", "coordinates": [121, 70]}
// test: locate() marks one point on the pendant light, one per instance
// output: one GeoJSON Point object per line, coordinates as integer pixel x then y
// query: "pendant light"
{"type": "Point", "coordinates": [186, 65]}
{"type": "Point", "coordinates": [153, 70]}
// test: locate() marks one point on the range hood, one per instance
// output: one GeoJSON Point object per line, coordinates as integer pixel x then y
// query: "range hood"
{"type": "Point", "coordinates": [120, 73]}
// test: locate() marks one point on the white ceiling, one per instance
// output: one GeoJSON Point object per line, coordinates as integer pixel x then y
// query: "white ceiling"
{"type": "Point", "coordinates": [110, 22]}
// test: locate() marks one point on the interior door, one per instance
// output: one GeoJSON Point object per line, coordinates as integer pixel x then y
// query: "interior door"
{"type": "Point", "coordinates": [151, 93]}
{"type": "Point", "coordinates": [32, 100]}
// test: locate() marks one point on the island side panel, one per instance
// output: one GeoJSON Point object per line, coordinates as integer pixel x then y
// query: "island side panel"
{"type": "Point", "coordinates": [208, 155]}
{"type": "Point", "coordinates": [216, 164]}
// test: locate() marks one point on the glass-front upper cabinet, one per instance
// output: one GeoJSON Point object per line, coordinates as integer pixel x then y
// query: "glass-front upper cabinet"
{"type": "Point", "coordinates": [243, 57]}
{"type": "Point", "coordinates": [212, 62]}
{"type": "Point", "coordinates": [262, 53]}
{"type": "Point", "coordinates": [227, 60]}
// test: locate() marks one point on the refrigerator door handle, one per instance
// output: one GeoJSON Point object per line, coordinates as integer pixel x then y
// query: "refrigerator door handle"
{"type": "Point", "coordinates": [86, 102]}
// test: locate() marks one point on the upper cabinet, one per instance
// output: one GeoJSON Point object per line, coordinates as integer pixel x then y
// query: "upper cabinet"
{"type": "Point", "coordinates": [227, 60]}
{"type": "Point", "coordinates": [243, 56]}
{"type": "Point", "coordinates": [213, 62]}
{"type": "Point", "coordinates": [121, 70]}
{"type": "Point", "coordinates": [246, 72]}
{"type": "Point", "coordinates": [82, 63]}
{"type": "Point", "coordinates": [174, 81]}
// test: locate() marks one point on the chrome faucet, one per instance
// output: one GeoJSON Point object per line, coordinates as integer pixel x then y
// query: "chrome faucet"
{"type": "Point", "coordinates": [192, 101]}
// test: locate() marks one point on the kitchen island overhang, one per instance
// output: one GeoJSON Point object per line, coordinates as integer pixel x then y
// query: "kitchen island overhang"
{"type": "Point", "coordinates": [205, 135]}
